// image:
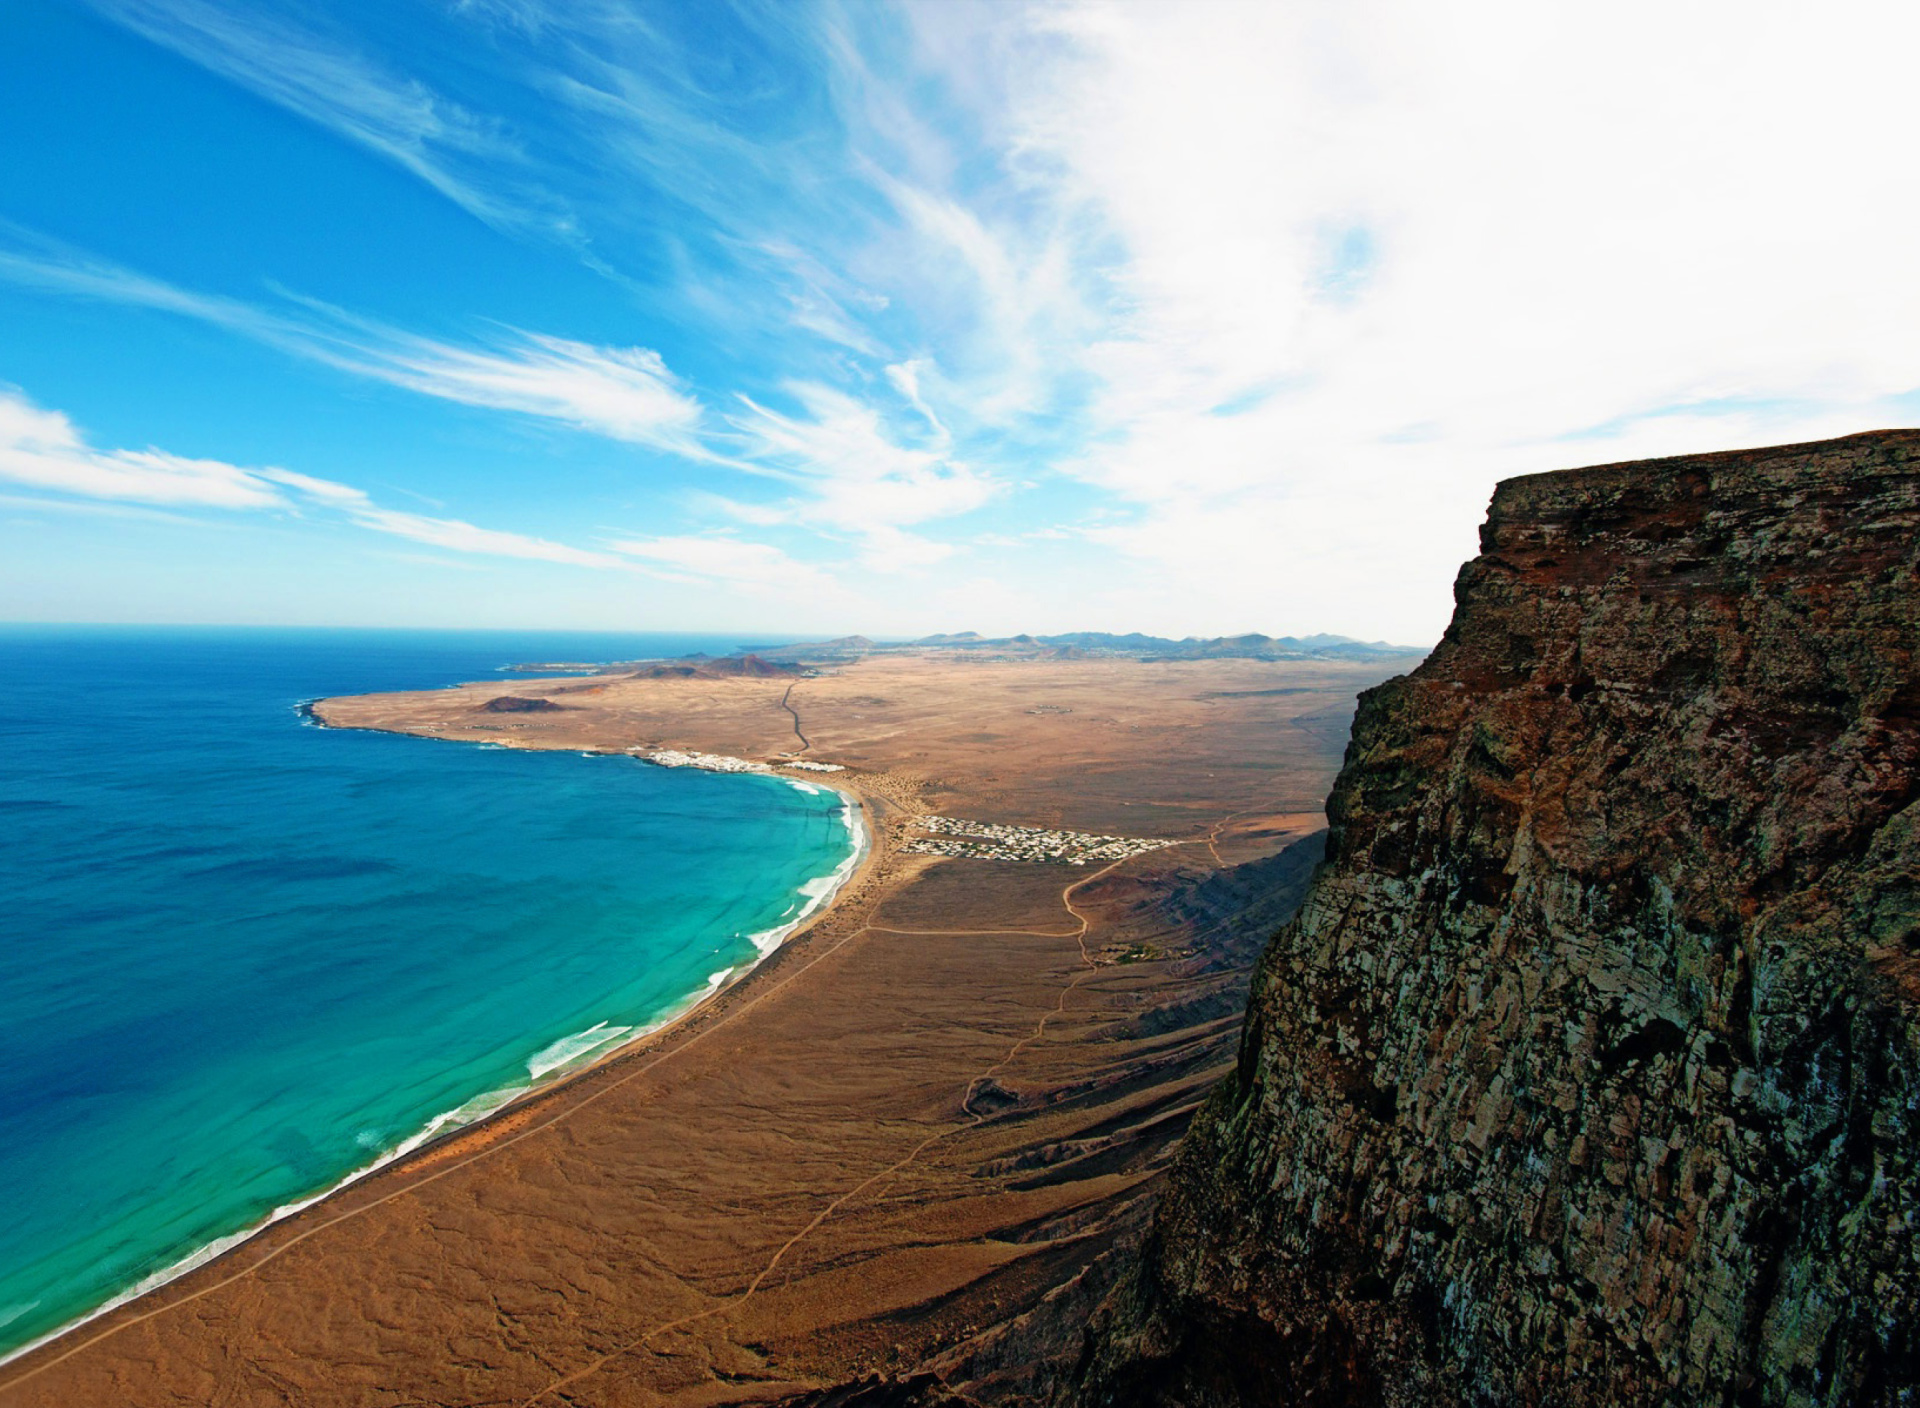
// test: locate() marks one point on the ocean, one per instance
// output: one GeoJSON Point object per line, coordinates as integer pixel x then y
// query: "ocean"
{"type": "Point", "coordinates": [243, 957]}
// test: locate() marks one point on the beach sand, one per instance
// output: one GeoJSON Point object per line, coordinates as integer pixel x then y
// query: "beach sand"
{"type": "Point", "coordinates": [949, 1094]}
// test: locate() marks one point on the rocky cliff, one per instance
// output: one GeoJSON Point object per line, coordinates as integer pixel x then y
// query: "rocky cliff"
{"type": "Point", "coordinates": [1590, 1071]}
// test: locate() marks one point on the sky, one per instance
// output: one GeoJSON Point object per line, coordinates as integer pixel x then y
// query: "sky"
{"type": "Point", "coordinates": [801, 317]}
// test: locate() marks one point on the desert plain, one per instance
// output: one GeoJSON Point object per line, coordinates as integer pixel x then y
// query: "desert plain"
{"type": "Point", "coordinates": [931, 1112]}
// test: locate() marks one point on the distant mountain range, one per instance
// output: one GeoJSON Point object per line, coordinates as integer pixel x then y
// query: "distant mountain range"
{"type": "Point", "coordinates": [1091, 644]}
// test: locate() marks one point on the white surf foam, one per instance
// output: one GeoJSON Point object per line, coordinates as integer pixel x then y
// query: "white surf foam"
{"type": "Point", "coordinates": [550, 1060]}
{"type": "Point", "coordinates": [822, 888]}
{"type": "Point", "coordinates": [475, 1109]}
{"type": "Point", "coordinates": [572, 1050]}
{"type": "Point", "coordinates": [542, 1066]}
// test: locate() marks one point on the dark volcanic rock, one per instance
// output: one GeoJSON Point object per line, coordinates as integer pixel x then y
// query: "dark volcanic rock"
{"type": "Point", "coordinates": [1590, 1071]}
{"type": "Point", "coordinates": [879, 1391]}
{"type": "Point", "coordinates": [520, 704]}
{"type": "Point", "coordinates": [668, 672]}
{"type": "Point", "coordinates": [752, 667]}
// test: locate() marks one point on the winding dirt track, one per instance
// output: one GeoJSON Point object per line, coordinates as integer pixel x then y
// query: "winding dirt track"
{"type": "Point", "coordinates": [975, 1118]}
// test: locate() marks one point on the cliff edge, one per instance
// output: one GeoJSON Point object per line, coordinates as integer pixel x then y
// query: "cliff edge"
{"type": "Point", "coordinates": [1590, 1071]}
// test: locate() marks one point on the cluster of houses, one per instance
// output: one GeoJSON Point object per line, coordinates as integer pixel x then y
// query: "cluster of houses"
{"type": "Point", "coordinates": [986, 840]}
{"type": "Point", "coordinates": [720, 762]}
{"type": "Point", "coordinates": [706, 762]}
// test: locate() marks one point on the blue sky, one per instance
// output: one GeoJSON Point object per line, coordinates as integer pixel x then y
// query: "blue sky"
{"type": "Point", "coordinates": [1186, 318]}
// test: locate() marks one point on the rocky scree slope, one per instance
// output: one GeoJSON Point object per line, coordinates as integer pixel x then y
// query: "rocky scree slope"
{"type": "Point", "coordinates": [1590, 1073]}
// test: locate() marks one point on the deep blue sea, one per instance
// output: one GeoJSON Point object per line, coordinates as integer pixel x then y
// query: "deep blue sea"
{"type": "Point", "coordinates": [243, 957]}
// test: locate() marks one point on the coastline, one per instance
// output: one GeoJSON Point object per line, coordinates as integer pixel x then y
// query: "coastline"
{"type": "Point", "coordinates": [474, 1115]}
{"type": "Point", "coordinates": [947, 1091]}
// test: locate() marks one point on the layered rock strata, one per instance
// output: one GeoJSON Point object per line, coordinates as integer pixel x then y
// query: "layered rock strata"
{"type": "Point", "coordinates": [1590, 1071]}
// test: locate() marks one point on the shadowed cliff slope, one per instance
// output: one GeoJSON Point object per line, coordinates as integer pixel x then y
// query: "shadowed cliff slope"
{"type": "Point", "coordinates": [1590, 1071]}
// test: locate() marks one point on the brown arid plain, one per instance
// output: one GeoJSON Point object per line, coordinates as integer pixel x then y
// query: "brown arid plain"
{"type": "Point", "coordinates": [930, 1114]}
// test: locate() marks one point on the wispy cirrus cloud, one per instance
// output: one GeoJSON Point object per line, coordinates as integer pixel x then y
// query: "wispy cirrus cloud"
{"type": "Point", "coordinates": [858, 475]}
{"type": "Point", "coordinates": [787, 228]}
{"type": "Point", "coordinates": [862, 469]}
{"type": "Point", "coordinates": [92, 508]}
{"type": "Point", "coordinates": [1346, 268]}
{"type": "Point", "coordinates": [624, 393]}
{"type": "Point", "coordinates": [1247, 305]}
{"type": "Point", "coordinates": [44, 450]}
{"type": "Point", "coordinates": [722, 559]}
{"type": "Point", "coordinates": [455, 535]}
{"type": "Point", "coordinates": [789, 181]}
{"type": "Point", "coordinates": [473, 160]}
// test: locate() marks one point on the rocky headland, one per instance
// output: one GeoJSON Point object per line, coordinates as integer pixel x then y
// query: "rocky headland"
{"type": "Point", "coordinates": [1589, 1073]}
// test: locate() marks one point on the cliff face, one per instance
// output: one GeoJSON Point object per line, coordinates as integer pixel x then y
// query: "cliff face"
{"type": "Point", "coordinates": [1590, 1071]}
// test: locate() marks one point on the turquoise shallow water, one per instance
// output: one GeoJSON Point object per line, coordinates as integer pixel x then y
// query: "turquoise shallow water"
{"type": "Point", "coordinates": [242, 957]}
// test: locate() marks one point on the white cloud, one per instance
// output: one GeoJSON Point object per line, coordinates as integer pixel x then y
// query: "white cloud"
{"type": "Point", "coordinates": [822, 301]}
{"type": "Point", "coordinates": [905, 377]}
{"type": "Point", "coordinates": [1365, 260]}
{"type": "Point", "coordinates": [1278, 290]}
{"type": "Point", "coordinates": [623, 393]}
{"type": "Point", "coordinates": [1004, 295]}
{"type": "Point", "coordinates": [324, 490]}
{"type": "Point", "coordinates": [91, 509]}
{"type": "Point", "coordinates": [860, 480]}
{"type": "Point", "coordinates": [43, 449]}
{"type": "Point", "coordinates": [35, 261]}
{"type": "Point", "coordinates": [725, 560]}
{"type": "Point", "coordinates": [469, 159]}
{"type": "Point", "coordinates": [456, 536]}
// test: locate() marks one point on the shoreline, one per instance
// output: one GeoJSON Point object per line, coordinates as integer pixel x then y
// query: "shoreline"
{"type": "Point", "coordinates": [444, 1127]}
{"type": "Point", "coordinates": [951, 1089]}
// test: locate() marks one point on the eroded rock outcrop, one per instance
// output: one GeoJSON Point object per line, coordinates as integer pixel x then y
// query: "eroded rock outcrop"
{"type": "Point", "coordinates": [1590, 1071]}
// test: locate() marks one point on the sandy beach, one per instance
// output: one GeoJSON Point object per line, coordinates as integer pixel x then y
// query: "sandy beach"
{"type": "Point", "coordinates": [946, 1095]}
